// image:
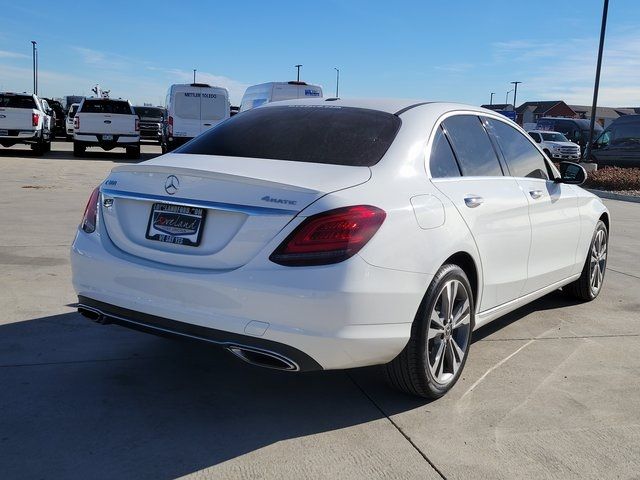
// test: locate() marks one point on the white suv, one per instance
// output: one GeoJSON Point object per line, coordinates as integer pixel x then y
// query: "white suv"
{"type": "Point", "coordinates": [556, 145]}
{"type": "Point", "coordinates": [306, 235]}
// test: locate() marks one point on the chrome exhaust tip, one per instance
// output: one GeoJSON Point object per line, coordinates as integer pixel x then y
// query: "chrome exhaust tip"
{"type": "Point", "coordinates": [93, 314]}
{"type": "Point", "coordinates": [263, 358]}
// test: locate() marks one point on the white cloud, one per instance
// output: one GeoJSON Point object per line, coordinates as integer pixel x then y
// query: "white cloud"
{"type": "Point", "coordinates": [236, 88]}
{"type": "Point", "coordinates": [566, 71]}
{"type": "Point", "coordinates": [7, 54]}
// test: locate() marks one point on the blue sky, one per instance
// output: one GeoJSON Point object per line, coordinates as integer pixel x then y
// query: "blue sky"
{"type": "Point", "coordinates": [435, 50]}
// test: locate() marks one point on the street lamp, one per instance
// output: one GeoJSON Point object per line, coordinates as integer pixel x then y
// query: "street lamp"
{"type": "Point", "coordinates": [35, 66]}
{"type": "Point", "coordinates": [491, 101]}
{"type": "Point", "coordinates": [515, 93]}
{"type": "Point", "coordinates": [298, 67]}
{"type": "Point", "coordinates": [194, 75]}
{"type": "Point", "coordinates": [506, 99]}
{"type": "Point", "coordinates": [337, 80]}
{"type": "Point", "coordinates": [596, 87]}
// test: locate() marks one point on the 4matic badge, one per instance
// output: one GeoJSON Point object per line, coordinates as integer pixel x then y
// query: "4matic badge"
{"type": "Point", "coordinates": [282, 201]}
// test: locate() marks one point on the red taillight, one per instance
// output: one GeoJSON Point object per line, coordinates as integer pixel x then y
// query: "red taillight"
{"type": "Point", "coordinates": [329, 237]}
{"type": "Point", "coordinates": [89, 218]}
{"type": "Point", "coordinates": [35, 119]}
{"type": "Point", "coordinates": [76, 123]}
{"type": "Point", "coordinates": [170, 123]}
{"type": "Point", "coordinates": [137, 124]}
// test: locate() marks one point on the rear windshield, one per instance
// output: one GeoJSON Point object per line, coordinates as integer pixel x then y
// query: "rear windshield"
{"type": "Point", "coordinates": [106, 106]}
{"type": "Point", "coordinates": [17, 101]}
{"type": "Point", "coordinates": [316, 134]}
{"type": "Point", "coordinates": [148, 111]}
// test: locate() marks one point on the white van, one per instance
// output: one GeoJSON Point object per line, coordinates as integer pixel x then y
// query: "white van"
{"type": "Point", "coordinates": [192, 109]}
{"type": "Point", "coordinates": [274, 91]}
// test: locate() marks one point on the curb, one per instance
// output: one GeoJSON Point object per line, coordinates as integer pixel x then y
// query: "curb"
{"type": "Point", "coordinates": [615, 196]}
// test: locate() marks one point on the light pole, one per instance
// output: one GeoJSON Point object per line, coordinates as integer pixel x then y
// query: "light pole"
{"type": "Point", "coordinates": [506, 99]}
{"type": "Point", "coordinates": [35, 67]}
{"type": "Point", "coordinates": [515, 93]}
{"type": "Point", "coordinates": [491, 101]}
{"type": "Point", "coordinates": [337, 80]}
{"type": "Point", "coordinates": [194, 75]}
{"type": "Point", "coordinates": [596, 87]}
{"type": "Point", "coordinates": [298, 67]}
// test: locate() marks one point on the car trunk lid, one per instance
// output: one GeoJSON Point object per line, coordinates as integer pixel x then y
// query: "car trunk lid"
{"type": "Point", "coordinates": [244, 203]}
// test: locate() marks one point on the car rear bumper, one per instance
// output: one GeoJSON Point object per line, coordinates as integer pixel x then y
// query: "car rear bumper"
{"type": "Point", "coordinates": [345, 315]}
{"type": "Point", "coordinates": [88, 139]}
{"type": "Point", "coordinates": [21, 136]}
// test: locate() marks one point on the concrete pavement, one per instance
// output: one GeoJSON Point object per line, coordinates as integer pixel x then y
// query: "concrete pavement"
{"type": "Point", "coordinates": [550, 391]}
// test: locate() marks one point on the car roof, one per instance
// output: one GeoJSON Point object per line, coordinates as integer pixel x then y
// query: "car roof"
{"type": "Point", "coordinates": [544, 131]}
{"type": "Point", "coordinates": [396, 106]}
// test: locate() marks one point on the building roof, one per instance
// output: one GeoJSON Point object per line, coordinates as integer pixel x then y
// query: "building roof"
{"type": "Point", "coordinates": [498, 106]}
{"type": "Point", "coordinates": [539, 108]}
{"type": "Point", "coordinates": [604, 112]}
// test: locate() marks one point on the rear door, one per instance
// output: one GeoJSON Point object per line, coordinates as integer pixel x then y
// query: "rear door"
{"type": "Point", "coordinates": [492, 204]}
{"type": "Point", "coordinates": [553, 209]}
{"type": "Point", "coordinates": [214, 107]}
{"type": "Point", "coordinates": [186, 111]}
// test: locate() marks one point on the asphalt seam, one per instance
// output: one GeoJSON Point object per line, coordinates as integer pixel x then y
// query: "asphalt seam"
{"type": "Point", "coordinates": [407, 438]}
{"type": "Point", "coordinates": [99, 360]}
{"type": "Point", "coordinates": [623, 273]}
{"type": "Point", "coordinates": [563, 337]}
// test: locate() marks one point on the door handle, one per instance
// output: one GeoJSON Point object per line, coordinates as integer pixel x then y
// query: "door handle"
{"type": "Point", "coordinates": [473, 201]}
{"type": "Point", "coordinates": [107, 121]}
{"type": "Point", "coordinates": [535, 194]}
{"type": "Point", "coordinates": [207, 124]}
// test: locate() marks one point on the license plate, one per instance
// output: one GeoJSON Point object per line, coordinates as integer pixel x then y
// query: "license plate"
{"type": "Point", "coordinates": [107, 137]}
{"type": "Point", "coordinates": [4, 133]}
{"type": "Point", "coordinates": [176, 224]}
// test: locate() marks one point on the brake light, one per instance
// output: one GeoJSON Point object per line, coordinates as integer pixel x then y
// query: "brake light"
{"type": "Point", "coordinates": [329, 237]}
{"type": "Point", "coordinates": [89, 218]}
{"type": "Point", "coordinates": [137, 124]}
{"type": "Point", "coordinates": [170, 122]}
{"type": "Point", "coordinates": [76, 122]}
{"type": "Point", "coordinates": [35, 119]}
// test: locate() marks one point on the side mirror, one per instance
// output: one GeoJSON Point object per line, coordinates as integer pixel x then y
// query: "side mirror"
{"type": "Point", "coordinates": [572, 173]}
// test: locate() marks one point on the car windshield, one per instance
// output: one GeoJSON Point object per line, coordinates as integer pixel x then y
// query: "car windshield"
{"type": "Point", "coordinates": [148, 112]}
{"type": "Point", "coordinates": [106, 106]}
{"type": "Point", "coordinates": [17, 101]}
{"type": "Point", "coordinates": [554, 137]}
{"type": "Point", "coordinates": [299, 133]}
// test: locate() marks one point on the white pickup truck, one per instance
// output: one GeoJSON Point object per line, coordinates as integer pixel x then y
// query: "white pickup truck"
{"type": "Point", "coordinates": [23, 120]}
{"type": "Point", "coordinates": [106, 123]}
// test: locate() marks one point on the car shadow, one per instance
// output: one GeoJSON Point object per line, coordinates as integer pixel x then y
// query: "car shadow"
{"type": "Point", "coordinates": [551, 301]}
{"type": "Point", "coordinates": [116, 156]}
{"type": "Point", "coordinates": [81, 400]}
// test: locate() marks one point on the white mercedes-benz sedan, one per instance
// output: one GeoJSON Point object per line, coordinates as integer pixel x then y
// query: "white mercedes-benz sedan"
{"type": "Point", "coordinates": [328, 234]}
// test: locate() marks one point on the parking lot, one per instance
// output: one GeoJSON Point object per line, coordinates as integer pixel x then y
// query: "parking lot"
{"type": "Point", "coordinates": [549, 391]}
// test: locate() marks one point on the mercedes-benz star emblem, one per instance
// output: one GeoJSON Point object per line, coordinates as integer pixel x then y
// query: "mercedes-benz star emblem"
{"type": "Point", "coordinates": [171, 184]}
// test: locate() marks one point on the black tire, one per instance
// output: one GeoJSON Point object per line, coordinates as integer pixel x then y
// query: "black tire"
{"type": "Point", "coordinates": [39, 148]}
{"type": "Point", "coordinates": [69, 138]}
{"type": "Point", "coordinates": [410, 371]}
{"type": "Point", "coordinates": [78, 149]}
{"type": "Point", "coordinates": [582, 288]}
{"type": "Point", "coordinates": [48, 146]}
{"type": "Point", "coordinates": [133, 152]}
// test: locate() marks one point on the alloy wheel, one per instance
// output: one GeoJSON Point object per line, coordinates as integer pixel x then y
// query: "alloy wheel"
{"type": "Point", "coordinates": [597, 261]}
{"type": "Point", "coordinates": [448, 332]}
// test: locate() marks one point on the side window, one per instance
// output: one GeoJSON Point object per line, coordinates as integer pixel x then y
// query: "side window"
{"type": "Point", "coordinates": [523, 159]}
{"type": "Point", "coordinates": [472, 146]}
{"type": "Point", "coordinates": [535, 136]}
{"type": "Point", "coordinates": [604, 139]}
{"type": "Point", "coordinates": [442, 162]}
